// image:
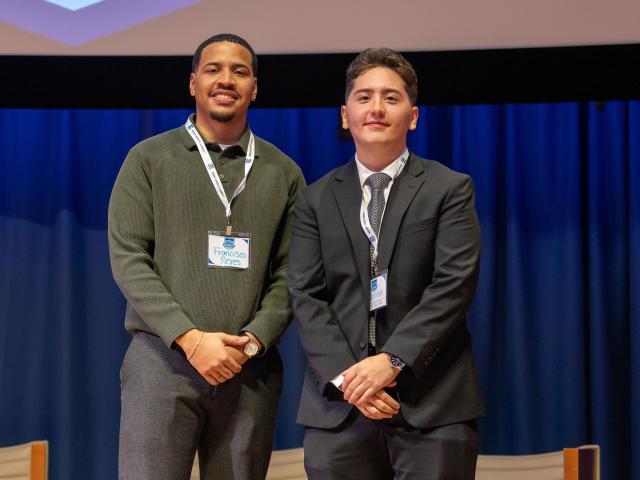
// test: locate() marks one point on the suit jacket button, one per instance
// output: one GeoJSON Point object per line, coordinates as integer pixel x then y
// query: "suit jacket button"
{"type": "Point", "coordinates": [363, 345]}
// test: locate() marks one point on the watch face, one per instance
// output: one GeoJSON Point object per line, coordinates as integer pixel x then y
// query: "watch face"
{"type": "Point", "coordinates": [250, 349]}
{"type": "Point", "coordinates": [396, 362]}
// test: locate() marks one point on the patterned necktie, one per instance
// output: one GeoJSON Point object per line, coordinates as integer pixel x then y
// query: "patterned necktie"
{"type": "Point", "coordinates": [377, 183]}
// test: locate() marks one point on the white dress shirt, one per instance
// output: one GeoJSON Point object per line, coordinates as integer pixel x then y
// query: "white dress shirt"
{"type": "Point", "coordinates": [363, 174]}
{"type": "Point", "coordinates": [391, 170]}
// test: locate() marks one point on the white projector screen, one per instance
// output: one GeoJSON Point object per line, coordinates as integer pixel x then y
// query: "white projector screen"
{"type": "Point", "coordinates": [176, 27]}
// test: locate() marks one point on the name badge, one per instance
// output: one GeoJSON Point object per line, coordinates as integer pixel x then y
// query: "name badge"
{"type": "Point", "coordinates": [378, 292]}
{"type": "Point", "coordinates": [229, 251]}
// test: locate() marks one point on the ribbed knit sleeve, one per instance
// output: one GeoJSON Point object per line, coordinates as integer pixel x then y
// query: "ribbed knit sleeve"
{"type": "Point", "coordinates": [131, 245]}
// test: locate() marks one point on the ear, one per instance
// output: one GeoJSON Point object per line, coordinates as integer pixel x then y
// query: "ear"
{"type": "Point", "coordinates": [414, 118]}
{"type": "Point", "coordinates": [254, 93]}
{"type": "Point", "coordinates": [192, 84]}
{"type": "Point", "coordinates": [343, 114]}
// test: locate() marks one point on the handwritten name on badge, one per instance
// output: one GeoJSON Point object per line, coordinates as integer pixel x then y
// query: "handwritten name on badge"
{"type": "Point", "coordinates": [229, 251]}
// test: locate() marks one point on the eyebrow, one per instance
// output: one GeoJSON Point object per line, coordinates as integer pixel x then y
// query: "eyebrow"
{"type": "Point", "coordinates": [371, 90]}
{"type": "Point", "coordinates": [233, 65]}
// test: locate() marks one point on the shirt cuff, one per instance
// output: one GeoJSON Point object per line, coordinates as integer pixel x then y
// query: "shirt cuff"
{"type": "Point", "coordinates": [337, 381]}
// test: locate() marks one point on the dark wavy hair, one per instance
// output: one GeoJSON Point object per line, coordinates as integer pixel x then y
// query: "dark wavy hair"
{"type": "Point", "coordinates": [387, 58]}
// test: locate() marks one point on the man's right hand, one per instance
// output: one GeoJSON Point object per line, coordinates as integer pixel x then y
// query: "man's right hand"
{"type": "Point", "coordinates": [211, 355]}
{"type": "Point", "coordinates": [380, 405]}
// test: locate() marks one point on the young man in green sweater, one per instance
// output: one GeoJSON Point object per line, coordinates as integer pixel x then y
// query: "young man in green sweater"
{"type": "Point", "coordinates": [199, 226]}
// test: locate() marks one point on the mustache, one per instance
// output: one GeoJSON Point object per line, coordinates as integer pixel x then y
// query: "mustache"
{"type": "Point", "coordinates": [225, 91]}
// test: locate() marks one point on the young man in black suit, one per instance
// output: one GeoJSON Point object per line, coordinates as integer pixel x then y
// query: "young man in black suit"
{"type": "Point", "coordinates": [383, 267]}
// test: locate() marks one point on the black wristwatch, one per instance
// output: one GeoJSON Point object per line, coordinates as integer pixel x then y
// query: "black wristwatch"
{"type": "Point", "coordinates": [396, 361]}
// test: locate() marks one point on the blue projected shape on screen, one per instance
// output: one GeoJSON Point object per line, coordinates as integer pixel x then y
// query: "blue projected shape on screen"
{"type": "Point", "coordinates": [74, 4]}
{"type": "Point", "coordinates": [76, 22]}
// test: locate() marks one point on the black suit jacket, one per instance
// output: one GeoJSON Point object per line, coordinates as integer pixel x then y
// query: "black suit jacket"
{"type": "Point", "coordinates": [429, 242]}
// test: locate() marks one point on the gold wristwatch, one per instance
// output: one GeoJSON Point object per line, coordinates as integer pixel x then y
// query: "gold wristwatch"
{"type": "Point", "coordinates": [251, 348]}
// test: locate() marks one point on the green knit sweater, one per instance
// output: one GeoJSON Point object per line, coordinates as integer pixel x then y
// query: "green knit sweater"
{"type": "Point", "coordinates": [161, 208]}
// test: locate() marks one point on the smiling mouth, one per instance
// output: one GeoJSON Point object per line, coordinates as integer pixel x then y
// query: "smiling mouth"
{"type": "Point", "coordinates": [376, 124]}
{"type": "Point", "coordinates": [224, 96]}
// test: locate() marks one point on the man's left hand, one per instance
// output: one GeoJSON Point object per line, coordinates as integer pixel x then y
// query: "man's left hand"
{"type": "Point", "coordinates": [367, 377]}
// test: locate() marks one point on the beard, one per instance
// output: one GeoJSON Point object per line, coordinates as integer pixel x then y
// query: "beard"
{"type": "Point", "coordinates": [222, 117]}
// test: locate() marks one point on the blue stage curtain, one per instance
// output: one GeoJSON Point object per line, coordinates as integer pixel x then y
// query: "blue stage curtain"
{"type": "Point", "coordinates": [556, 318]}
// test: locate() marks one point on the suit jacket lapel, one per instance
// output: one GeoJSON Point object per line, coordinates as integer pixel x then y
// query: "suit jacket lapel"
{"type": "Point", "coordinates": [403, 191]}
{"type": "Point", "coordinates": [348, 195]}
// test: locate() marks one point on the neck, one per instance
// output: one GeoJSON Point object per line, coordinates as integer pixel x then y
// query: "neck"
{"type": "Point", "coordinates": [226, 133]}
{"type": "Point", "coordinates": [378, 157]}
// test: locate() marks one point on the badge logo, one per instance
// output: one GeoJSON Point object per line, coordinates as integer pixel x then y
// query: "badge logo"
{"type": "Point", "coordinates": [374, 284]}
{"type": "Point", "coordinates": [229, 243]}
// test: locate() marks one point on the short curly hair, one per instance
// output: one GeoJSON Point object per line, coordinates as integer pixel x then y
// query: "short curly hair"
{"type": "Point", "coordinates": [225, 37]}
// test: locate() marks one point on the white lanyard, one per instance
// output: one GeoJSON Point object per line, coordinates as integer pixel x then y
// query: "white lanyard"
{"type": "Point", "coordinates": [364, 216]}
{"type": "Point", "coordinates": [213, 174]}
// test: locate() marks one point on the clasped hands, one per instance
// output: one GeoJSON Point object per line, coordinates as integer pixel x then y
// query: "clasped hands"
{"type": "Point", "coordinates": [216, 356]}
{"type": "Point", "coordinates": [364, 384]}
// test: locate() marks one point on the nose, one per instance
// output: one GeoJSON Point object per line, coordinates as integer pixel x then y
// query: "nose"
{"type": "Point", "coordinates": [226, 77]}
{"type": "Point", "coordinates": [377, 106]}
